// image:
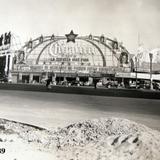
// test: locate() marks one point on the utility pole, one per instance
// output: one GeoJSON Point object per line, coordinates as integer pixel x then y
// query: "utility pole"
{"type": "Point", "coordinates": [136, 70]}
{"type": "Point", "coordinates": [151, 58]}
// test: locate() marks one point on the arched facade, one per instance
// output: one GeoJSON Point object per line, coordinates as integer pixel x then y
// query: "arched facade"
{"type": "Point", "coordinates": [70, 55]}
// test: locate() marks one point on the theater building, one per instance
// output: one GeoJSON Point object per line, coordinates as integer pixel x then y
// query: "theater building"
{"type": "Point", "coordinates": [70, 57]}
{"type": "Point", "coordinates": [73, 57]}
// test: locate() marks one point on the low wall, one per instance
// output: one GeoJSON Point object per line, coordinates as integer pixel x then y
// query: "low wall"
{"type": "Point", "coordinates": [133, 93]}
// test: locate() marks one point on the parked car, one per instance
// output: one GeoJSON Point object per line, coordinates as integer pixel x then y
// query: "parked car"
{"type": "Point", "coordinates": [132, 85]}
{"type": "Point", "coordinates": [99, 84]}
{"type": "Point", "coordinates": [111, 84]}
{"type": "Point", "coordinates": [156, 85]}
{"type": "Point", "coordinates": [75, 83]}
{"type": "Point", "coordinates": [86, 83]}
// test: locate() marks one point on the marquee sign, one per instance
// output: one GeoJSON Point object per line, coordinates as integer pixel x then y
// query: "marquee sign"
{"type": "Point", "coordinates": [70, 59]}
{"type": "Point", "coordinates": [72, 53]}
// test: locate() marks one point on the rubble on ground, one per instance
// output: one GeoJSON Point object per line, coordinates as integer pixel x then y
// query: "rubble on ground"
{"type": "Point", "coordinates": [97, 139]}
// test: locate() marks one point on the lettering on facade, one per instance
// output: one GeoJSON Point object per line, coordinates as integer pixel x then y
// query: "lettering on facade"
{"type": "Point", "coordinates": [70, 59]}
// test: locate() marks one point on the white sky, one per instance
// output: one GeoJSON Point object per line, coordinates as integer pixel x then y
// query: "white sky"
{"type": "Point", "coordinates": [122, 19]}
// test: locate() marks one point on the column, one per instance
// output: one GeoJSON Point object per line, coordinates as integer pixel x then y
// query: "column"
{"type": "Point", "coordinates": [31, 78]}
{"type": "Point", "coordinates": [90, 79]}
{"type": "Point", "coordinates": [11, 63]}
{"type": "Point", "coordinates": [54, 77]}
{"type": "Point", "coordinates": [6, 65]}
{"type": "Point", "coordinates": [77, 78]}
{"type": "Point", "coordinates": [20, 77]}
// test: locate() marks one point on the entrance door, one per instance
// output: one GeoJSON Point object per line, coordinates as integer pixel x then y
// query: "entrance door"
{"type": "Point", "coordinates": [25, 78]}
{"type": "Point", "coordinates": [71, 79]}
{"type": "Point", "coordinates": [83, 79]}
{"type": "Point", "coordinates": [36, 79]}
{"type": "Point", "coordinates": [59, 80]}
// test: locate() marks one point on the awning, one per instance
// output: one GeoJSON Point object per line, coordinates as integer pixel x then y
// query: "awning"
{"type": "Point", "coordinates": [66, 74]}
{"type": "Point", "coordinates": [83, 75]}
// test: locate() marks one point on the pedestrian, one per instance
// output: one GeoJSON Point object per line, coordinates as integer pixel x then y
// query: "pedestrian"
{"type": "Point", "coordinates": [95, 83]}
{"type": "Point", "coordinates": [48, 83]}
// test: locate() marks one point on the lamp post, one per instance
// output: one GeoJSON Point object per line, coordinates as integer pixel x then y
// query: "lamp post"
{"type": "Point", "coordinates": [60, 72]}
{"type": "Point", "coordinates": [151, 57]}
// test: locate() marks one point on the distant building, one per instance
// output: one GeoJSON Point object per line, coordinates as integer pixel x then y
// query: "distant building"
{"type": "Point", "coordinates": [5, 56]}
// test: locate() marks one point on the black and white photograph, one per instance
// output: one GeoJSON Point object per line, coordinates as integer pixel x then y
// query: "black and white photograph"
{"type": "Point", "coordinates": [79, 80]}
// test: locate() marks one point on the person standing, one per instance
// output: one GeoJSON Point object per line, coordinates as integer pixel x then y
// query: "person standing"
{"type": "Point", "coordinates": [95, 83]}
{"type": "Point", "coordinates": [48, 82]}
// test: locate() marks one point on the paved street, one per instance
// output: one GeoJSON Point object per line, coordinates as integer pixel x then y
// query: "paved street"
{"type": "Point", "coordinates": [51, 110]}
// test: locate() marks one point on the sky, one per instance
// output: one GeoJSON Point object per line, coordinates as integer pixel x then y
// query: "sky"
{"type": "Point", "coordinates": [131, 21]}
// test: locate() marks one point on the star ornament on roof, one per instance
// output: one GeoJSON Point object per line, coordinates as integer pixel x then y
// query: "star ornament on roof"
{"type": "Point", "coordinates": [71, 37]}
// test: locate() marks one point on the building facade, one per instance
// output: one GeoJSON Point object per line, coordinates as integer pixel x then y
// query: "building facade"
{"type": "Point", "coordinates": [6, 56]}
{"type": "Point", "coordinates": [69, 57]}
